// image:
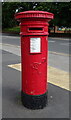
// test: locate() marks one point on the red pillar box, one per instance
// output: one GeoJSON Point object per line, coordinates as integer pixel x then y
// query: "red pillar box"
{"type": "Point", "coordinates": [34, 59]}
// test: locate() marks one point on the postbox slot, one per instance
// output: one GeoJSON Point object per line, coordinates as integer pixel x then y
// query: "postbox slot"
{"type": "Point", "coordinates": [35, 28]}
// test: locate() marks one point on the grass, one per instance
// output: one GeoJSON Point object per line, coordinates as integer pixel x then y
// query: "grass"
{"type": "Point", "coordinates": [14, 29]}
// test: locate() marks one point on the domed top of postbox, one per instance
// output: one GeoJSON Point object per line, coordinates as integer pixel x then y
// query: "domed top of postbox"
{"type": "Point", "coordinates": [34, 14]}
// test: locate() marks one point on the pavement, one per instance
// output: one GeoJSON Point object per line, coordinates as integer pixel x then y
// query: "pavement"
{"type": "Point", "coordinates": [58, 80]}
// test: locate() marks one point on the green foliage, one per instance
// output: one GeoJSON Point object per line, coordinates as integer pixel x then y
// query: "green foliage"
{"type": "Point", "coordinates": [9, 9]}
{"type": "Point", "coordinates": [14, 29]}
{"type": "Point", "coordinates": [61, 10]}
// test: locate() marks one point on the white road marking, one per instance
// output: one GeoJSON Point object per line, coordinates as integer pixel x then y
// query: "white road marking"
{"type": "Point", "coordinates": [10, 48]}
{"type": "Point", "coordinates": [67, 39]}
{"type": "Point", "coordinates": [11, 37]}
{"type": "Point", "coordinates": [56, 53]}
{"type": "Point", "coordinates": [9, 45]}
{"type": "Point", "coordinates": [66, 44]}
{"type": "Point", "coordinates": [51, 41]}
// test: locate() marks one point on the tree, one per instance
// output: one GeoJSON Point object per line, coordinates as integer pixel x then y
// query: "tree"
{"type": "Point", "coordinates": [61, 10]}
{"type": "Point", "coordinates": [9, 9]}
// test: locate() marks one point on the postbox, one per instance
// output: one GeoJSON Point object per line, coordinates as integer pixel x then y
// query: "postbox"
{"type": "Point", "coordinates": [34, 57]}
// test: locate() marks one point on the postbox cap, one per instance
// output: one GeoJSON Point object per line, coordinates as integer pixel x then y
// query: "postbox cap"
{"type": "Point", "coordinates": [34, 14]}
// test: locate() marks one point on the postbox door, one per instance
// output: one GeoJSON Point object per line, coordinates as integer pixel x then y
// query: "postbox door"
{"type": "Point", "coordinates": [34, 64]}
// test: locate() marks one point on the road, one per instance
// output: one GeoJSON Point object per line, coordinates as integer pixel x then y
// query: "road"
{"type": "Point", "coordinates": [55, 44]}
{"type": "Point", "coordinates": [56, 47]}
{"type": "Point", "coordinates": [58, 96]}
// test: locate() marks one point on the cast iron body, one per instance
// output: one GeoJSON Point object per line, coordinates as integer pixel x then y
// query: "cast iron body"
{"type": "Point", "coordinates": [34, 57]}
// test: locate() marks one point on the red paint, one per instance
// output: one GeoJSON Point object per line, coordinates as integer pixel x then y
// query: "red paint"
{"type": "Point", "coordinates": [34, 65]}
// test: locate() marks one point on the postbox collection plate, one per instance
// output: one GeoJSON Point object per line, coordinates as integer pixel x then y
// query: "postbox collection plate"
{"type": "Point", "coordinates": [35, 45]}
